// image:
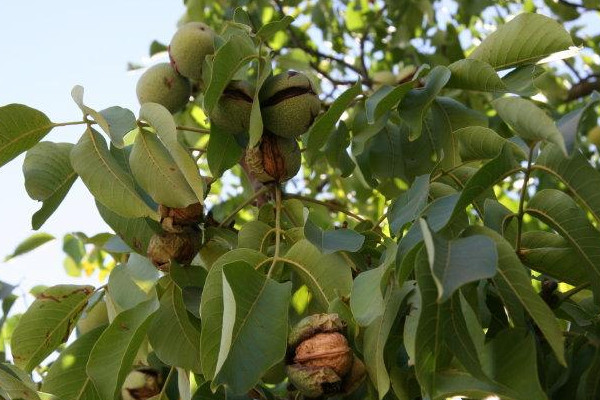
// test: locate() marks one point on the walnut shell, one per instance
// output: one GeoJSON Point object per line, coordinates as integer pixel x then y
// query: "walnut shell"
{"type": "Point", "coordinates": [325, 350]}
{"type": "Point", "coordinates": [276, 159]}
{"type": "Point", "coordinates": [181, 247]}
{"type": "Point", "coordinates": [175, 219]}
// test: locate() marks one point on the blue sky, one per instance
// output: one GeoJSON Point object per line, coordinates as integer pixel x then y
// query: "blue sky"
{"type": "Point", "coordinates": [47, 48]}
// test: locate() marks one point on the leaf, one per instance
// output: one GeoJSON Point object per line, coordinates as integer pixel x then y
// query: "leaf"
{"type": "Point", "coordinates": [407, 207]}
{"type": "Point", "coordinates": [157, 173]}
{"type": "Point", "coordinates": [525, 39]}
{"type": "Point", "coordinates": [132, 283]}
{"type": "Point", "coordinates": [385, 99]}
{"type": "Point", "coordinates": [430, 350]}
{"type": "Point", "coordinates": [455, 263]}
{"type": "Point", "coordinates": [268, 30]}
{"type": "Point", "coordinates": [552, 255]}
{"type": "Point", "coordinates": [13, 387]}
{"type": "Point", "coordinates": [254, 235]}
{"type": "Point", "coordinates": [589, 385]}
{"type": "Point", "coordinates": [336, 150]}
{"type": "Point", "coordinates": [320, 130]}
{"type": "Point", "coordinates": [161, 119]}
{"type": "Point", "coordinates": [212, 305]}
{"type": "Point", "coordinates": [111, 357]}
{"type": "Point", "coordinates": [48, 177]}
{"type": "Point", "coordinates": [105, 178]}
{"type": "Point", "coordinates": [31, 243]}
{"type": "Point", "coordinates": [481, 143]}
{"type": "Point", "coordinates": [569, 124]}
{"type": "Point", "coordinates": [333, 240]}
{"type": "Point", "coordinates": [228, 59]}
{"type": "Point", "coordinates": [512, 274]}
{"type": "Point", "coordinates": [326, 276]}
{"type": "Point", "coordinates": [66, 377]}
{"type": "Point", "coordinates": [521, 80]}
{"type": "Point", "coordinates": [366, 300]}
{"type": "Point", "coordinates": [47, 323]}
{"type": "Point", "coordinates": [254, 307]}
{"type": "Point", "coordinates": [116, 121]}
{"type": "Point", "coordinates": [376, 336]}
{"type": "Point", "coordinates": [528, 121]}
{"type": "Point", "coordinates": [576, 173]}
{"type": "Point", "coordinates": [172, 335]}
{"type": "Point", "coordinates": [222, 152]}
{"type": "Point", "coordinates": [256, 123]}
{"type": "Point", "coordinates": [21, 127]}
{"type": "Point", "coordinates": [471, 74]}
{"type": "Point", "coordinates": [414, 105]}
{"type": "Point", "coordinates": [562, 213]}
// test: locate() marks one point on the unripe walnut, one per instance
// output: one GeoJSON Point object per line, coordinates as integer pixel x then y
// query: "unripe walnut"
{"type": "Point", "coordinates": [181, 247]}
{"type": "Point", "coordinates": [190, 44]}
{"type": "Point", "coordinates": [232, 112]}
{"type": "Point", "coordinates": [177, 219]}
{"type": "Point", "coordinates": [289, 104]}
{"type": "Point", "coordinates": [276, 159]}
{"type": "Point", "coordinates": [161, 84]}
{"type": "Point", "coordinates": [319, 360]}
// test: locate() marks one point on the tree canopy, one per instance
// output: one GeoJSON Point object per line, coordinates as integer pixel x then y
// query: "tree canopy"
{"type": "Point", "coordinates": [365, 199]}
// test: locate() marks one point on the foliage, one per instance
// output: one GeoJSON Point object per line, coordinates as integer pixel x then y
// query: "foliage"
{"type": "Point", "coordinates": [447, 209]}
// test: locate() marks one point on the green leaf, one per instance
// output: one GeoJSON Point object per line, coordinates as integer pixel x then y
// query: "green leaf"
{"type": "Point", "coordinates": [333, 240]}
{"type": "Point", "coordinates": [268, 30]}
{"type": "Point", "coordinates": [161, 119]}
{"type": "Point", "coordinates": [136, 232]}
{"type": "Point", "coordinates": [321, 129]}
{"type": "Point", "coordinates": [254, 235]}
{"type": "Point", "coordinates": [66, 377]}
{"type": "Point", "coordinates": [13, 387]}
{"type": "Point", "coordinates": [525, 39]}
{"type": "Point", "coordinates": [21, 127]}
{"type": "Point", "coordinates": [336, 150]}
{"type": "Point", "coordinates": [407, 207]}
{"type": "Point", "coordinates": [589, 385]}
{"type": "Point", "coordinates": [415, 104]}
{"type": "Point", "coordinates": [366, 301]}
{"type": "Point", "coordinates": [376, 336]}
{"type": "Point", "coordinates": [47, 323]}
{"type": "Point", "coordinates": [528, 121]}
{"type": "Point", "coordinates": [222, 152]}
{"type": "Point", "coordinates": [111, 357]}
{"type": "Point", "coordinates": [385, 99]}
{"type": "Point", "coordinates": [31, 243]}
{"type": "Point", "coordinates": [431, 354]}
{"type": "Point", "coordinates": [576, 173]}
{"type": "Point", "coordinates": [512, 275]}
{"type": "Point", "coordinates": [116, 121]}
{"type": "Point", "coordinates": [48, 177]}
{"type": "Point", "coordinates": [256, 123]}
{"type": "Point", "coordinates": [212, 305]}
{"type": "Point", "coordinates": [228, 59]}
{"type": "Point", "coordinates": [105, 178]}
{"type": "Point", "coordinates": [521, 80]}
{"type": "Point", "coordinates": [562, 213]}
{"type": "Point", "coordinates": [473, 74]}
{"type": "Point", "coordinates": [172, 335]}
{"type": "Point", "coordinates": [326, 276]}
{"type": "Point", "coordinates": [552, 255]}
{"type": "Point", "coordinates": [157, 173]}
{"type": "Point", "coordinates": [132, 283]}
{"type": "Point", "coordinates": [481, 143]}
{"type": "Point", "coordinates": [569, 124]}
{"type": "Point", "coordinates": [455, 263]}
{"type": "Point", "coordinates": [254, 307]}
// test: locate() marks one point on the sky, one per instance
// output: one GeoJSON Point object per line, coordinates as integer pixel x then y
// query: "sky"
{"type": "Point", "coordinates": [47, 47]}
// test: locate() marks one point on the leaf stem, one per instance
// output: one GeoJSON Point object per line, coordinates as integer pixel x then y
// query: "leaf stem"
{"type": "Point", "coordinates": [256, 195]}
{"type": "Point", "coordinates": [574, 291]}
{"type": "Point", "coordinates": [329, 205]}
{"type": "Point", "coordinates": [522, 196]}
{"type": "Point", "coordinates": [277, 229]}
{"type": "Point", "coordinates": [57, 124]}
{"type": "Point", "coordinates": [192, 129]}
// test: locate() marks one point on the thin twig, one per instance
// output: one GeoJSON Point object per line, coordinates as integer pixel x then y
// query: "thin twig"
{"type": "Point", "coordinates": [277, 229]}
{"type": "Point", "coordinates": [522, 196]}
{"type": "Point", "coordinates": [192, 129]}
{"type": "Point", "coordinates": [57, 124]}
{"type": "Point", "coordinates": [331, 206]}
{"type": "Point", "coordinates": [239, 208]}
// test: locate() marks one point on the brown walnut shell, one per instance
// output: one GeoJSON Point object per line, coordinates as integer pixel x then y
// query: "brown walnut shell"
{"type": "Point", "coordinates": [276, 159]}
{"type": "Point", "coordinates": [175, 219]}
{"type": "Point", "coordinates": [325, 350]}
{"type": "Point", "coordinates": [181, 247]}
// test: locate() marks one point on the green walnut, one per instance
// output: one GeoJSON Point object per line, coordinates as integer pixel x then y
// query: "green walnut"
{"type": "Point", "coordinates": [289, 104]}
{"type": "Point", "coordinates": [141, 384]}
{"type": "Point", "coordinates": [190, 44]}
{"type": "Point", "coordinates": [161, 84]}
{"type": "Point", "coordinates": [181, 247]}
{"type": "Point", "coordinates": [320, 362]}
{"type": "Point", "coordinates": [232, 112]}
{"type": "Point", "coordinates": [276, 159]}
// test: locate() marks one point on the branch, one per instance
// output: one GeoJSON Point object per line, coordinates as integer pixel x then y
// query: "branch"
{"type": "Point", "coordinates": [330, 205]}
{"type": "Point", "coordinates": [584, 87]}
{"type": "Point", "coordinates": [573, 5]}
